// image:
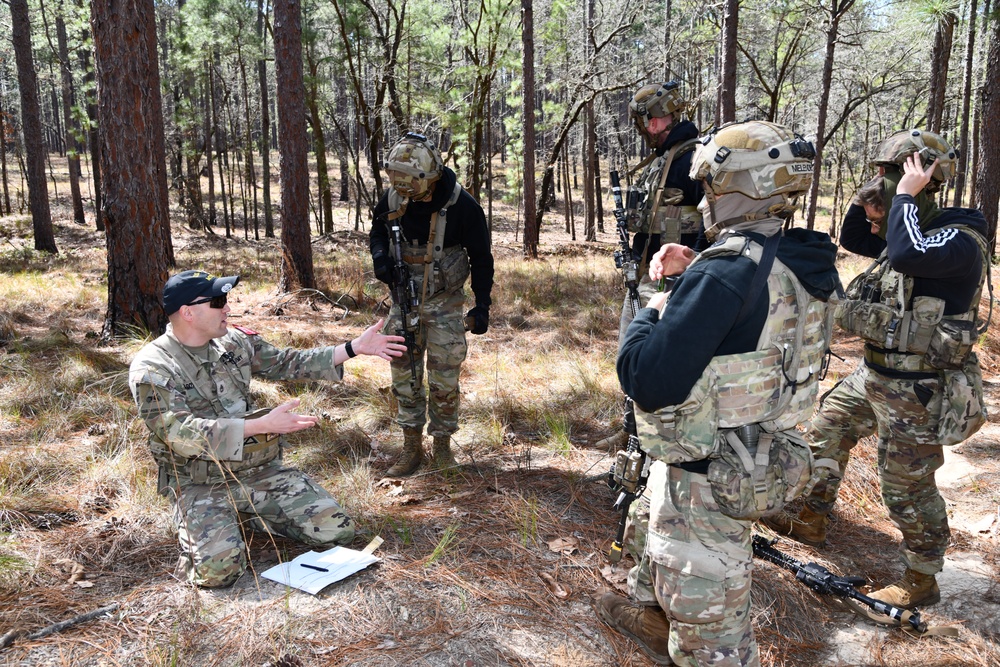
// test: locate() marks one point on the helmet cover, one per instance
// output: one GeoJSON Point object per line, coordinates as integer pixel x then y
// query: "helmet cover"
{"type": "Point", "coordinates": [931, 146]}
{"type": "Point", "coordinates": [413, 165]}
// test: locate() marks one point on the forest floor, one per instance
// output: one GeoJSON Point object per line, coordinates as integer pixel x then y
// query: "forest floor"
{"type": "Point", "coordinates": [498, 562]}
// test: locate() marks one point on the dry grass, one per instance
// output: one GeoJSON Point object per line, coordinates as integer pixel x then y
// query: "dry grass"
{"type": "Point", "coordinates": [467, 575]}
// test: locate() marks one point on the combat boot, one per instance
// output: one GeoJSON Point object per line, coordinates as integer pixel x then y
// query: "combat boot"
{"type": "Point", "coordinates": [443, 458]}
{"type": "Point", "coordinates": [412, 455]}
{"type": "Point", "coordinates": [808, 527]}
{"type": "Point", "coordinates": [613, 442]}
{"type": "Point", "coordinates": [646, 626]}
{"type": "Point", "coordinates": [915, 589]}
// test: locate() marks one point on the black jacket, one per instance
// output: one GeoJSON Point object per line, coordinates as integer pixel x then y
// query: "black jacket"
{"type": "Point", "coordinates": [466, 227]}
{"type": "Point", "coordinates": [944, 263]}
{"type": "Point", "coordinates": [661, 359]}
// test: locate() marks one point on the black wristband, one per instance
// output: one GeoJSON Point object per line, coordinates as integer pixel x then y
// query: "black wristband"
{"type": "Point", "coordinates": [349, 349]}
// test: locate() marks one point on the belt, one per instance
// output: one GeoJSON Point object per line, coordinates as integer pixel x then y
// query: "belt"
{"type": "Point", "coordinates": [897, 361]}
{"type": "Point", "coordinates": [697, 467]}
{"type": "Point", "coordinates": [415, 259]}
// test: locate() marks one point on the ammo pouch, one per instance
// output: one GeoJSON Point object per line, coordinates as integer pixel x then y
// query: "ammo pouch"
{"type": "Point", "coordinates": [755, 473]}
{"type": "Point", "coordinates": [963, 411]}
{"type": "Point", "coordinates": [951, 344]}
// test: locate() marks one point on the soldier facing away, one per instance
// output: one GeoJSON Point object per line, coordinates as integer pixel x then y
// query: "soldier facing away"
{"type": "Point", "coordinates": [432, 234]}
{"type": "Point", "coordinates": [725, 364]}
{"type": "Point", "coordinates": [219, 459]}
{"type": "Point", "coordinates": [919, 386]}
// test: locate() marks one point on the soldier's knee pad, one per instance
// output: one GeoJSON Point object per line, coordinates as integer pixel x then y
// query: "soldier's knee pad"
{"type": "Point", "coordinates": [217, 570]}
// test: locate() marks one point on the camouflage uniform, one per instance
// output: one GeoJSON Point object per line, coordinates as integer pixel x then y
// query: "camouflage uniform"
{"type": "Point", "coordinates": [928, 274]}
{"type": "Point", "coordinates": [440, 335]}
{"type": "Point", "coordinates": [693, 393]}
{"type": "Point", "coordinates": [194, 402]}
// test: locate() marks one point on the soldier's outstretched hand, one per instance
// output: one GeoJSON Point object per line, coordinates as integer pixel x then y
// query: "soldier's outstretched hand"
{"type": "Point", "coordinates": [378, 344]}
{"type": "Point", "coordinates": [280, 420]}
{"type": "Point", "coordinates": [915, 177]}
{"type": "Point", "coordinates": [670, 260]}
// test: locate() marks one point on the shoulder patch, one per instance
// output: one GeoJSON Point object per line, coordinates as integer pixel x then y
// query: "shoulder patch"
{"type": "Point", "coordinates": [246, 330]}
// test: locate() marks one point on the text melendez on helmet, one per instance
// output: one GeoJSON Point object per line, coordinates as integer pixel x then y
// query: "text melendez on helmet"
{"type": "Point", "coordinates": [801, 167]}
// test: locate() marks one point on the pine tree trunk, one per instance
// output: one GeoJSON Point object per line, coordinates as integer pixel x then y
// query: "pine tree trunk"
{"type": "Point", "coordinates": [528, 114]}
{"type": "Point", "coordinates": [296, 256]}
{"type": "Point", "coordinates": [134, 163]}
{"type": "Point", "coordinates": [988, 171]}
{"type": "Point", "coordinates": [93, 142]}
{"type": "Point", "coordinates": [31, 124]}
{"type": "Point", "coordinates": [963, 142]}
{"type": "Point", "coordinates": [68, 101]}
{"type": "Point", "coordinates": [727, 87]}
{"type": "Point", "coordinates": [265, 127]}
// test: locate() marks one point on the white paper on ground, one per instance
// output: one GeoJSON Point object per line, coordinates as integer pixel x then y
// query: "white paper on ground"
{"type": "Point", "coordinates": [313, 571]}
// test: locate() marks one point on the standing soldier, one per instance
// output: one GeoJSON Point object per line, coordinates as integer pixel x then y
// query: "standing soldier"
{"type": "Point", "coordinates": [712, 406]}
{"type": "Point", "coordinates": [920, 386]}
{"type": "Point", "coordinates": [427, 236]}
{"type": "Point", "coordinates": [661, 208]}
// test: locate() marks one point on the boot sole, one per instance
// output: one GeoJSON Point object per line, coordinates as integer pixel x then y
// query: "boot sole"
{"type": "Point", "coordinates": [655, 657]}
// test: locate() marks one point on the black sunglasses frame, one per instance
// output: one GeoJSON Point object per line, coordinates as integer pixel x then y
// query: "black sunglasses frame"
{"type": "Point", "coordinates": [217, 302]}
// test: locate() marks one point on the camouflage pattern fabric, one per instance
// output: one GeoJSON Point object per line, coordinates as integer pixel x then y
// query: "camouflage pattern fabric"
{"type": "Point", "coordinates": [193, 401]}
{"type": "Point", "coordinates": [702, 572]}
{"type": "Point", "coordinates": [640, 577]}
{"type": "Point", "coordinates": [906, 414]}
{"type": "Point", "coordinates": [279, 500]}
{"type": "Point", "coordinates": [441, 337]}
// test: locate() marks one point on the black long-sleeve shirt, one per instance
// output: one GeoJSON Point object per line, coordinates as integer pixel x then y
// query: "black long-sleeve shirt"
{"type": "Point", "coordinates": [466, 227]}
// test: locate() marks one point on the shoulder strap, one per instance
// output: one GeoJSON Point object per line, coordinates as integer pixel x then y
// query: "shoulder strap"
{"type": "Point", "coordinates": [760, 276]}
{"type": "Point", "coordinates": [435, 242]}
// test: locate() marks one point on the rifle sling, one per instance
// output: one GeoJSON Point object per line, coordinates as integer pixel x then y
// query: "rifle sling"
{"type": "Point", "coordinates": [656, 203]}
{"type": "Point", "coordinates": [904, 624]}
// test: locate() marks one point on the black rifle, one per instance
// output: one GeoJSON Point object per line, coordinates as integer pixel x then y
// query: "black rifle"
{"type": "Point", "coordinates": [404, 292]}
{"type": "Point", "coordinates": [627, 477]}
{"type": "Point", "coordinates": [624, 259]}
{"type": "Point", "coordinates": [824, 582]}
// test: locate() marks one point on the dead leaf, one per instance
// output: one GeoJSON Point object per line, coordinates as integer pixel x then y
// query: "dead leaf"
{"type": "Point", "coordinates": [554, 586]}
{"type": "Point", "coordinates": [85, 584]}
{"type": "Point", "coordinates": [616, 576]}
{"type": "Point", "coordinates": [564, 545]}
{"type": "Point", "coordinates": [460, 495]}
{"type": "Point", "coordinates": [74, 569]}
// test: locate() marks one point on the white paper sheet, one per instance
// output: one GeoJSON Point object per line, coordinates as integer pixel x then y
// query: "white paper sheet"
{"type": "Point", "coordinates": [313, 571]}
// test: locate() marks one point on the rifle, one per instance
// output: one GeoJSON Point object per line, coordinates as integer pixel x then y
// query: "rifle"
{"type": "Point", "coordinates": [624, 260]}
{"type": "Point", "coordinates": [627, 477]}
{"type": "Point", "coordinates": [824, 582]}
{"type": "Point", "coordinates": [404, 292]}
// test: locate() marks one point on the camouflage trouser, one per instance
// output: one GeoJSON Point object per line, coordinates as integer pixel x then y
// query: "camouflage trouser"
{"type": "Point", "coordinates": [442, 336]}
{"type": "Point", "coordinates": [907, 412]}
{"type": "Point", "coordinates": [702, 574]}
{"type": "Point", "coordinates": [281, 500]}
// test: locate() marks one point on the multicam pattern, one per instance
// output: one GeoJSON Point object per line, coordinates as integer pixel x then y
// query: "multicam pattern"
{"type": "Point", "coordinates": [906, 414]}
{"type": "Point", "coordinates": [441, 337]}
{"type": "Point", "coordinates": [194, 403]}
{"type": "Point", "coordinates": [653, 209]}
{"type": "Point", "coordinates": [898, 146]}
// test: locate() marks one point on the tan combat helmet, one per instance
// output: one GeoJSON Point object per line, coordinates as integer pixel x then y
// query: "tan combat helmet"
{"type": "Point", "coordinates": [656, 100]}
{"type": "Point", "coordinates": [413, 165]}
{"type": "Point", "coordinates": [898, 146]}
{"type": "Point", "coordinates": [755, 158]}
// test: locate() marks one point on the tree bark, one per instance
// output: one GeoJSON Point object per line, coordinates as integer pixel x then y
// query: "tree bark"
{"type": "Point", "coordinates": [727, 78]}
{"type": "Point", "coordinates": [3, 161]}
{"type": "Point", "coordinates": [296, 255]}
{"type": "Point", "coordinates": [940, 59]}
{"type": "Point", "coordinates": [528, 49]}
{"type": "Point", "coordinates": [68, 101]}
{"type": "Point", "coordinates": [133, 163]}
{"type": "Point", "coordinates": [31, 123]}
{"type": "Point", "coordinates": [963, 142]}
{"type": "Point", "coordinates": [265, 126]}
{"type": "Point", "coordinates": [988, 171]}
{"type": "Point", "coordinates": [93, 141]}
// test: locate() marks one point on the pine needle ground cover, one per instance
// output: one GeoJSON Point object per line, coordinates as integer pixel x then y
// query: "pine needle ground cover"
{"type": "Point", "coordinates": [497, 562]}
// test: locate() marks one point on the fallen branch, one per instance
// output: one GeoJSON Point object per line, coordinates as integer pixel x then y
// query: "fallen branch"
{"type": "Point", "coordinates": [9, 638]}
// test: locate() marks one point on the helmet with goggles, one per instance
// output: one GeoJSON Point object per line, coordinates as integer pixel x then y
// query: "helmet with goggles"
{"type": "Point", "coordinates": [755, 158]}
{"type": "Point", "coordinates": [900, 145]}
{"type": "Point", "coordinates": [656, 100]}
{"type": "Point", "coordinates": [413, 165]}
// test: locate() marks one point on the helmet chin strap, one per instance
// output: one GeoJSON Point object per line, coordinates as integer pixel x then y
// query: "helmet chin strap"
{"type": "Point", "coordinates": [399, 212]}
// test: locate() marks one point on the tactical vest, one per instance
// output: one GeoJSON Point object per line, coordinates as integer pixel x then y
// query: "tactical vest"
{"type": "Point", "coordinates": [652, 208]}
{"type": "Point", "coordinates": [774, 386]}
{"type": "Point", "coordinates": [434, 267]}
{"type": "Point", "coordinates": [232, 372]}
{"type": "Point", "coordinates": [880, 307]}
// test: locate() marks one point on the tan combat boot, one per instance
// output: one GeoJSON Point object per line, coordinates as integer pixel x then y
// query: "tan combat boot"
{"type": "Point", "coordinates": [412, 455]}
{"type": "Point", "coordinates": [613, 442]}
{"type": "Point", "coordinates": [915, 589]}
{"type": "Point", "coordinates": [443, 458]}
{"type": "Point", "coordinates": [646, 626]}
{"type": "Point", "coordinates": [808, 527]}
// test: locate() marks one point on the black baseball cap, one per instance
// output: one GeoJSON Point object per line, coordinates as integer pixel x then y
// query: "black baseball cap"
{"type": "Point", "coordinates": [189, 286]}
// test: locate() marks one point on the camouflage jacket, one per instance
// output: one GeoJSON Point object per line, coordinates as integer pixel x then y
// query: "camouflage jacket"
{"type": "Point", "coordinates": [194, 401]}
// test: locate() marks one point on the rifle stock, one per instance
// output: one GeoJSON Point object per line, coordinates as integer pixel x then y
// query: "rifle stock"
{"type": "Point", "coordinates": [624, 259]}
{"type": "Point", "coordinates": [404, 292]}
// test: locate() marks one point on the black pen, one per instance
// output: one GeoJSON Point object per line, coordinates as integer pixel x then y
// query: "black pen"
{"type": "Point", "coordinates": [315, 567]}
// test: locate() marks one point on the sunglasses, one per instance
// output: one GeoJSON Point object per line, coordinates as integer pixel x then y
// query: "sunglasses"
{"type": "Point", "coordinates": [218, 302]}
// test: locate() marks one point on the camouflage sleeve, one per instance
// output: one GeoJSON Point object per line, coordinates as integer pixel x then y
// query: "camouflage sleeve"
{"type": "Point", "coordinates": [164, 410]}
{"type": "Point", "coordinates": [290, 364]}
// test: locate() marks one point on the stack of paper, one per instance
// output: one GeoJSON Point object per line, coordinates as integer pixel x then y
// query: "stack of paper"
{"type": "Point", "coordinates": [312, 572]}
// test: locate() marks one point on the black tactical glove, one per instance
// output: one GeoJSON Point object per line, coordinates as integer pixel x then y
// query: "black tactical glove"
{"type": "Point", "coordinates": [478, 320]}
{"type": "Point", "coordinates": [383, 267]}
